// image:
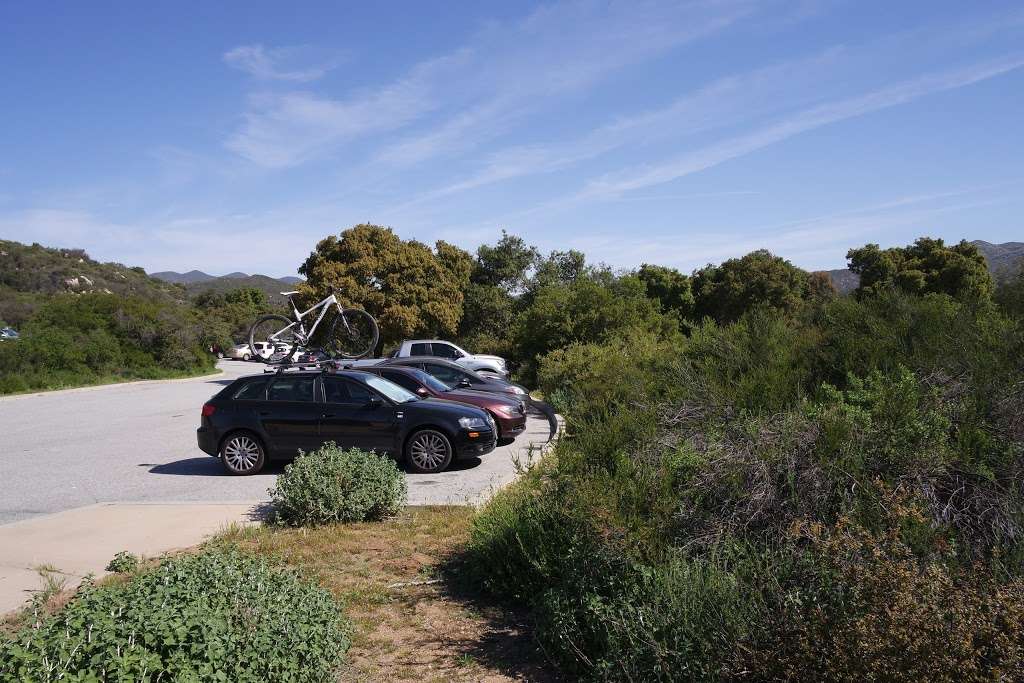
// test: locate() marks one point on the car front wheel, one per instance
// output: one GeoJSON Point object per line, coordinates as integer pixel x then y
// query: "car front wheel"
{"type": "Point", "coordinates": [428, 451]}
{"type": "Point", "coordinates": [242, 454]}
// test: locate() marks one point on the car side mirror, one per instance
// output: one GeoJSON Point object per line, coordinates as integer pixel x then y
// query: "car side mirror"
{"type": "Point", "coordinates": [422, 392]}
{"type": "Point", "coordinates": [374, 402]}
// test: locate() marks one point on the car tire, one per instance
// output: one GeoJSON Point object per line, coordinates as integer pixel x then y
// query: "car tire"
{"type": "Point", "coordinates": [428, 451]}
{"type": "Point", "coordinates": [242, 454]}
{"type": "Point", "coordinates": [246, 357]}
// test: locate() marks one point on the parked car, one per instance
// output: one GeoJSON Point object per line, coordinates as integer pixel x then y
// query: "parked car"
{"type": "Point", "coordinates": [509, 413]}
{"type": "Point", "coordinates": [454, 375]}
{"type": "Point", "coordinates": [272, 416]}
{"type": "Point", "coordinates": [243, 352]}
{"type": "Point", "coordinates": [8, 334]}
{"type": "Point", "coordinates": [438, 348]}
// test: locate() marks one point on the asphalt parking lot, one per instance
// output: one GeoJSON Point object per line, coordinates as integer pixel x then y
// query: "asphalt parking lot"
{"type": "Point", "coordinates": [136, 443]}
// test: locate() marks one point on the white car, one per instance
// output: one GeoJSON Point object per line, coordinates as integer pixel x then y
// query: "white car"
{"type": "Point", "coordinates": [438, 348]}
{"type": "Point", "coordinates": [243, 352]}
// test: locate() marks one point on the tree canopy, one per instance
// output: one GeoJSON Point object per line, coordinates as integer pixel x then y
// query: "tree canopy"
{"type": "Point", "coordinates": [760, 278]}
{"type": "Point", "coordinates": [670, 287]}
{"type": "Point", "coordinates": [411, 289]}
{"type": "Point", "coordinates": [926, 266]}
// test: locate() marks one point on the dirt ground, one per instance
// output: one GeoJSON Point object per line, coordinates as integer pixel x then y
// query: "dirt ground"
{"type": "Point", "coordinates": [412, 623]}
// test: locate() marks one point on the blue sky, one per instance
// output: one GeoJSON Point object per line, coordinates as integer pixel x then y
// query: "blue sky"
{"type": "Point", "coordinates": [233, 136]}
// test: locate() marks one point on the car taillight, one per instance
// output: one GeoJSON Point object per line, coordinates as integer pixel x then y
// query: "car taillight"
{"type": "Point", "coordinates": [209, 409]}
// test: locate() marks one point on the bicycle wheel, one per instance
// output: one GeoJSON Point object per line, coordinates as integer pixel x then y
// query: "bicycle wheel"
{"type": "Point", "coordinates": [271, 335]}
{"type": "Point", "coordinates": [356, 339]}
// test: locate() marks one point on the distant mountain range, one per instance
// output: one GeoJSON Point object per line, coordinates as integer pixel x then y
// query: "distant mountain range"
{"type": "Point", "coordinates": [1003, 260]}
{"type": "Point", "coordinates": [197, 282]}
{"type": "Point", "coordinates": [195, 276]}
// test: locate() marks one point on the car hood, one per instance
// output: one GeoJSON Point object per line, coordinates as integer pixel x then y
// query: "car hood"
{"type": "Point", "coordinates": [484, 356]}
{"type": "Point", "coordinates": [474, 395]}
{"type": "Point", "coordinates": [441, 406]}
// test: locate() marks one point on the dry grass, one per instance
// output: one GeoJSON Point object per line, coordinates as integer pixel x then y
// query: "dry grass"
{"type": "Point", "coordinates": [413, 632]}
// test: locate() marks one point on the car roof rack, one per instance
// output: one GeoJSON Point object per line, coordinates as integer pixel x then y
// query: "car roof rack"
{"type": "Point", "coordinates": [324, 366]}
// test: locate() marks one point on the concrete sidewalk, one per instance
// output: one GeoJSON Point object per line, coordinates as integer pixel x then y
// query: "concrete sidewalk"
{"type": "Point", "coordinates": [83, 540]}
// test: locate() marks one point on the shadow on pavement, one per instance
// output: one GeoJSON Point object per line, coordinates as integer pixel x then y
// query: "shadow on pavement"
{"type": "Point", "coordinates": [205, 467]}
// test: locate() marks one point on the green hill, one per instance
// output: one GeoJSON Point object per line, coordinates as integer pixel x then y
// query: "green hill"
{"type": "Point", "coordinates": [31, 272]}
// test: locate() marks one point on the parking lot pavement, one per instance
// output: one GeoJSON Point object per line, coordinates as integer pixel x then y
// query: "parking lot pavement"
{"type": "Point", "coordinates": [136, 443]}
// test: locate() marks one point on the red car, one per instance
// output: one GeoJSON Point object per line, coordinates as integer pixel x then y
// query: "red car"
{"type": "Point", "coordinates": [509, 413]}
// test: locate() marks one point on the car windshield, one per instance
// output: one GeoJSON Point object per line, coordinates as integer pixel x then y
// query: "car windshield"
{"type": "Point", "coordinates": [434, 383]}
{"type": "Point", "coordinates": [391, 390]}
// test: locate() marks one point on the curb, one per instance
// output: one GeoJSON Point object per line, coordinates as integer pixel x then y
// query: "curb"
{"type": "Point", "coordinates": [97, 387]}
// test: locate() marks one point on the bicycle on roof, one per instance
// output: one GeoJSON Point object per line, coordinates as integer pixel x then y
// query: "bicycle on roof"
{"type": "Point", "coordinates": [352, 334]}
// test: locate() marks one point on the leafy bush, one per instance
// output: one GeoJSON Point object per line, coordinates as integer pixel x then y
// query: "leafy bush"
{"type": "Point", "coordinates": [123, 563]}
{"type": "Point", "coordinates": [334, 485]}
{"type": "Point", "coordinates": [83, 339]}
{"type": "Point", "coordinates": [215, 616]}
{"type": "Point", "coordinates": [829, 496]}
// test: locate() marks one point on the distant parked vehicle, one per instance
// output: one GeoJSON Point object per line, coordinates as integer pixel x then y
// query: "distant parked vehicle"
{"type": "Point", "coordinates": [509, 413]}
{"type": "Point", "coordinates": [274, 415]}
{"type": "Point", "coordinates": [455, 375]}
{"type": "Point", "coordinates": [438, 348]}
{"type": "Point", "coordinates": [244, 352]}
{"type": "Point", "coordinates": [8, 334]}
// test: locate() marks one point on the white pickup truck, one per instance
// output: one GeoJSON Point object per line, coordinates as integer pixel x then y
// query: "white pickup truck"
{"type": "Point", "coordinates": [494, 365]}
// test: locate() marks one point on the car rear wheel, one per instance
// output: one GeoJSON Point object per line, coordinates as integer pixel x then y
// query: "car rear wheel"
{"type": "Point", "coordinates": [428, 451]}
{"type": "Point", "coordinates": [246, 357]}
{"type": "Point", "coordinates": [242, 454]}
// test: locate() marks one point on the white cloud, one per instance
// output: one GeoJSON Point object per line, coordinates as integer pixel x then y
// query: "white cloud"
{"type": "Point", "coordinates": [632, 179]}
{"type": "Point", "coordinates": [286, 129]}
{"type": "Point", "coordinates": [477, 91]}
{"type": "Point", "coordinates": [277, 64]}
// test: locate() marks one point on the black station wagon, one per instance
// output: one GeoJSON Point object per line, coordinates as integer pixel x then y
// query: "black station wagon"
{"type": "Point", "coordinates": [273, 416]}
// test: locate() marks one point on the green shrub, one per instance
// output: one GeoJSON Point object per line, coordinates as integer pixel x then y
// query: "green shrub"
{"type": "Point", "coordinates": [864, 606]}
{"type": "Point", "coordinates": [333, 485]}
{"type": "Point", "coordinates": [123, 563]}
{"type": "Point", "coordinates": [219, 615]}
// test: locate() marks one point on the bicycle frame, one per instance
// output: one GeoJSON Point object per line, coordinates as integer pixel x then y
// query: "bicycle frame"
{"type": "Point", "coordinates": [301, 335]}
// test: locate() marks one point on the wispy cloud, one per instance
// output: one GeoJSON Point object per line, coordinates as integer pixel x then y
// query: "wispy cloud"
{"type": "Point", "coordinates": [553, 53]}
{"type": "Point", "coordinates": [280, 64]}
{"type": "Point", "coordinates": [815, 117]}
{"type": "Point", "coordinates": [285, 129]}
{"type": "Point", "coordinates": [497, 77]}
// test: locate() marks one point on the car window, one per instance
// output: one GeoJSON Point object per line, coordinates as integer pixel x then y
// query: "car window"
{"type": "Point", "coordinates": [291, 389]}
{"type": "Point", "coordinates": [337, 390]}
{"type": "Point", "coordinates": [420, 350]}
{"type": "Point", "coordinates": [252, 391]}
{"type": "Point", "coordinates": [391, 390]}
{"type": "Point", "coordinates": [449, 376]}
{"type": "Point", "coordinates": [445, 351]}
{"type": "Point", "coordinates": [431, 381]}
{"type": "Point", "coordinates": [401, 379]}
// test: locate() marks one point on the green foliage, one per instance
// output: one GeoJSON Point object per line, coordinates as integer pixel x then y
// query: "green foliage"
{"type": "Point", "coordinates": [926, 266]}
{"type": "Point", "coordinates": [89, 338]}
{"type": "Point", "coordinates": [219, 615]}
{"type": "Point", "coordinates": [123, 563]}
{"type": "Point", "coordinates": [826, 495]}
{"type": "Point", "coordinates": [758, 279]}
{"type": "Point", "coordinates": [1010, 294]}
{"type": "Point", "coordinates": [670, 287]}
{"type": "Point", "coordinates": [411, 289]}
{"type": "Point", "coordinates": [333, 485]}
{"type": "Point", "coordinates": [590, 308]}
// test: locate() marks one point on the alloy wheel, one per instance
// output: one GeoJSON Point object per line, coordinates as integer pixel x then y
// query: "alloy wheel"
{"type": "Point", "coordinates": [428, 450]}
{"type": "Point", "coordinates": [242, 453]}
